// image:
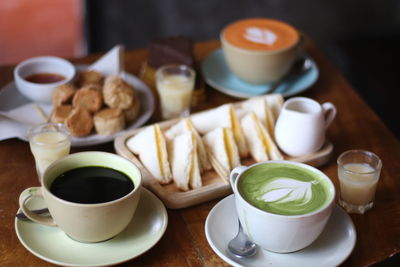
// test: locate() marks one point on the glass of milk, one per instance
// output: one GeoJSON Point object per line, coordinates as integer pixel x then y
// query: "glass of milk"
{"type": "Point", "coordinates": [175, 84]}
{"type": "Point", "coordinates": [358, 172]}
{"type": "Point", "coordinates": [48, 142]}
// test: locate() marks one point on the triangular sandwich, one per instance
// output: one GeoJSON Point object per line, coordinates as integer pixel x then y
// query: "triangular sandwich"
{"type": "Point", "coordinates": [222, 149]}
{"type": "Point", "coordinates": [222, 116]}
{"type": "Point", "coordinates": [151, 147]}
{"type": "Point", "coordinates": [185, 125]}
{"type": "Point", "coordinates": [184, 161]}
{"type": "Point", "coordinates": [261, 145]}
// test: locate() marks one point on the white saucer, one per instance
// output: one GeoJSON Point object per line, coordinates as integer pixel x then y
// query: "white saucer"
{"type": "Point", "coordinates": [333, 246]}
{"type": "Point", "coordinates": [51, 244]}
{"type": "Point", "coordinates": [14, 105]}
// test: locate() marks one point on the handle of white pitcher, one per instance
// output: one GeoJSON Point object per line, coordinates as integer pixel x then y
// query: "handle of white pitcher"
{"type": "Point", "coordinates": [329, 112]}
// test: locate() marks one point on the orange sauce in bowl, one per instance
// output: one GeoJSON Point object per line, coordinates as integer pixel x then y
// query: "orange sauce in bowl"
{"type": "Point", "coordinates": [44, 78]}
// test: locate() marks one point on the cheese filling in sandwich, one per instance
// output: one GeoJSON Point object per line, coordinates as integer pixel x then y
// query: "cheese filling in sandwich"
{"type": "Point", "coordinates": [275, 103]}
{"type": "Point", "coordinates": [259, 106]}
{"type": "Point", "coordinates": [222, 116]}
{"type": "Point", "coordinates": [151, 147]}
{"type": "Point", "coordinates": [185, 125]}
{"type": "Point", "coordinates": [261, 145]}
{"type": "Point", "coordinates": [222, 147]}
{"type": "Point", "coordinates": [184, 161]}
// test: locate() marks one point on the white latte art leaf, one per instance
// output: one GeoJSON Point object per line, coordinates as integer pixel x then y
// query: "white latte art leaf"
{"type": "Point", "coordinates": [262, 36]}
{"type": "Point", "coordinates": [286, 190]}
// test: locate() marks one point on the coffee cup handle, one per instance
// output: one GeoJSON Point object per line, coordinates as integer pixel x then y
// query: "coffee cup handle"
{"type": "Point", "coordinates": [34, 192]}
{"type": "Point", "coordinates": [329, 112]}
{"type": "Point", "coordinates": [234, 175]}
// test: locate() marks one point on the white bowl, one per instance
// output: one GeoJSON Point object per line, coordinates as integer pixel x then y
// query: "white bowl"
{"type": "Point", "coordinates": [42, 92]}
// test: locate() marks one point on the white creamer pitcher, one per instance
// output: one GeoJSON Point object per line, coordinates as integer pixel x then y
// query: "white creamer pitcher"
{"type": "Point", "coordinates": [300, 128]}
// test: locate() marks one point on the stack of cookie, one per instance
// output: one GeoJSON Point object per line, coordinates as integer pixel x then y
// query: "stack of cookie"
{"type": "Point", "coordinates": [95, 102]}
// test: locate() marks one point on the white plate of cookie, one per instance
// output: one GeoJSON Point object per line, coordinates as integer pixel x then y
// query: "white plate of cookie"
{"type": "Point", "coordinates": [127, 105]}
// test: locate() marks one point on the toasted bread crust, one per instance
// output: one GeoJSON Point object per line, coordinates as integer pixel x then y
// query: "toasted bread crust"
{"type": "Point", "coordinates": [89, 77]}
{"type": "Point", "coordinates": [63, 94]}
{"type": "Point", "coordinates": [117, 93]}
{"type": "Point", "coordinates": [79, 122]}
{"type": "Point", "coordinates": [88, 98]}
{"type": "Point", "coordinates": [60, 113]}
{"type": "Point", "coordinates": [132, 112]}
{"type": "Point", "coordinates": [108, 121]}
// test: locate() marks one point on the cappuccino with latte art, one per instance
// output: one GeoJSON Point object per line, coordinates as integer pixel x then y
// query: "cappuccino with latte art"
{"type": "Point", "coordinates": [260, 50]}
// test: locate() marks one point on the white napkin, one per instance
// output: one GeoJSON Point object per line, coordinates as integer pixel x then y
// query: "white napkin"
{"type": "Point", "coordinates": [16, 122]}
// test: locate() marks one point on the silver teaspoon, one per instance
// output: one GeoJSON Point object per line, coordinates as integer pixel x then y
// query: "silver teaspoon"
{"type": "Point", "coordinates": [240, 246]}
{"type": "Point", "coordinates": [300, 66]}
{"type": "Point", "coordinates": [21, 216]}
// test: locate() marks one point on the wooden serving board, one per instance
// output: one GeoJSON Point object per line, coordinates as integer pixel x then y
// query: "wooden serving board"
{"type": "Point", "coordinates": [214, 186]}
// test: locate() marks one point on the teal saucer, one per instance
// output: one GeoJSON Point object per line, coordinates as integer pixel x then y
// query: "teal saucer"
{"type": "Point", "coordinates": [217, 75]}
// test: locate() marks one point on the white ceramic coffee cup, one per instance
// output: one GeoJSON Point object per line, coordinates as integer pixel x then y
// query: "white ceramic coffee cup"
{"type": "Point", "coordinates": [86, 222]}
{"type": "Point", "coordinates": [281, 233]}
{"type": "Point", "coordinates": [301, 125]}
{"type": "Point", "coordinates": [42, 92]}
{"type": "Point", "coordinates": [261, 66]}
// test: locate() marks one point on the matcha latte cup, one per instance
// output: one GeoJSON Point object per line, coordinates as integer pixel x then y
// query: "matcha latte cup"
{"type": "Point", "coordinates": [283, 206]}
{"type": "Point", "coordinates": [260, 50]}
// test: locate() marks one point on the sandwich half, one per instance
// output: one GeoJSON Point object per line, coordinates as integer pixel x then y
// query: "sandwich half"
{"type": "Point", "coordinates": [259, 106]}
{"type": "Point", "coordinates": [151, 147]}
{"type": "Point", "coordinates": [275, 103]}
{"type": "Point", "coordinates": [223, 150]}
{"type": "Point", "coordinates": [222, 116]}
{"type": "Point", "coordinates": [185, 125]}
{"type": "Point", "coordinates": [261, 144]}
{"type": "Point", "coordinates": [184, 161]}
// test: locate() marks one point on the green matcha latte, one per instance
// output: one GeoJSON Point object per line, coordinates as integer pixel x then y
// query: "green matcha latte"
{"type": "Point", "coordinates": [284, 189]}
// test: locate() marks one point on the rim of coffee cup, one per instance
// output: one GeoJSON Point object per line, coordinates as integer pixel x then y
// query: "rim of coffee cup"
{"type": "Point", "coordinates": [250, 51]}
{"type": "Point", "coordinates": [320, 173]}
{"type": "Point", "coordinates": [107, 154]}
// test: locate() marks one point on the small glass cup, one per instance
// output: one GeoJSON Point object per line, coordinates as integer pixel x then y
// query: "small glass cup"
{"type": "Point", "coordinates": [175, 84]}
{"type": "Point", "coordinates": [48, 142]}
{"type": "Point", "coordinates": [358, 172]}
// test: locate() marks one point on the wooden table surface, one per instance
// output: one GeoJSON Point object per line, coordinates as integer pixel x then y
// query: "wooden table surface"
{"type": "Point", "coordinates": [184, 242]}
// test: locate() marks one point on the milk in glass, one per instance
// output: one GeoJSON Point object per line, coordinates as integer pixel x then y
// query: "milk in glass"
{"type": "Point", "coordinates": [358, 172]}
{"type": "Point", "coordinates": [175, 85]}
{"type": "Point", "coordinates": [358, 183]}
{"type": "Point", "coordinates": [48, 142]}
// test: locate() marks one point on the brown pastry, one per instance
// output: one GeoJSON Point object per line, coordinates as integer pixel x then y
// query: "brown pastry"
{"type": "Point", "coordinates": [60, 113]}
{"type": "Point", "coordinates": [88, 98]}
{"type": "Point", "coordinates": [132, 112]}
{"type": "Point", "coordinates": [63, 94]}
{"type": "Point", "coordinates": [117, 93]}
{"type": "Point", "coordinates": [108, 121]}
{"type": "Point", "coordinates": [88, 77]}
{"type": "Point", "coordinates": [79, 122]}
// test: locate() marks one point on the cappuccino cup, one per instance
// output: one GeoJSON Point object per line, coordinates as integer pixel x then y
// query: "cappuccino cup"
{"type": "Point", "coordinates": [91, 196]}
{"type": "Point", "coordinates": [260, 50]}
{"type": "Point", "coordinates": [283, 206]}
{"type": "Point", "coordinates": [301, 125]}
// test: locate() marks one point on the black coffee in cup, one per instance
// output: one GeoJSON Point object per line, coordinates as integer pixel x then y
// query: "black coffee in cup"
{"type": "Point", "coordinates": [91, 185]}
